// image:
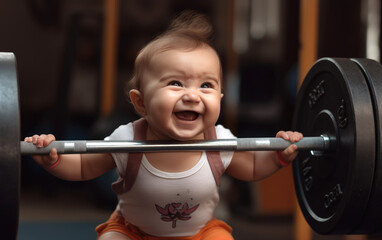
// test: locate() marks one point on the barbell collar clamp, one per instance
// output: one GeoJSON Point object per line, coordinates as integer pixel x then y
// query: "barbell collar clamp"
{"type": "Point", "coordinates": [321, 143]}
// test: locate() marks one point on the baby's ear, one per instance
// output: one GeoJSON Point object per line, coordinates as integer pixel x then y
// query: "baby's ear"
{"type": "Point", "coordinates": [136, 98]}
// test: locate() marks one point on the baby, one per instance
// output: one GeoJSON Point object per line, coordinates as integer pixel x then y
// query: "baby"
{"type": "Point", "coordinates": [177, 91]}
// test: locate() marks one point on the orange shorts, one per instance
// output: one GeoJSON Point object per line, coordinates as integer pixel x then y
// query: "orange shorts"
{"type": "Point", "coordinates": [215, 229]}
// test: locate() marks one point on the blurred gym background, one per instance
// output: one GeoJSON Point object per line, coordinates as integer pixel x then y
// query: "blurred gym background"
{"type": "Point", "coordinates": [75, 56]}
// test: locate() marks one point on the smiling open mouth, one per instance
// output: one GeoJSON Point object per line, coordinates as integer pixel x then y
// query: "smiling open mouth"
{"type": "Point", "coordinates": [187, 115]}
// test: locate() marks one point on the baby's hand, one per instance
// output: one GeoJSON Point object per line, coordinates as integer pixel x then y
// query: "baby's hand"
{"type": "Point", "coordinates": [290, 153]}
{"type": "Point", "coordinates": [42, 141]}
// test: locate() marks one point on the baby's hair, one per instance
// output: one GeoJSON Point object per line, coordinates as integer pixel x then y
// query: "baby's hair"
{"type": "Point", "coordinates": [189, 30]}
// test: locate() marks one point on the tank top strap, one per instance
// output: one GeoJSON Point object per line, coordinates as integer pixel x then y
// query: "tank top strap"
{"type": "Point", "coordinates": [214, 158]}
{"type": "Point", "coordinates": [127, 180]}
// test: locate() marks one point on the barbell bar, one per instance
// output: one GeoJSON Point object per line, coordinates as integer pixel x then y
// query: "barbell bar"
{"type": "Point", "coordinates": [316, 144]}
{"type": "Point", "coordinates": [337, 182]}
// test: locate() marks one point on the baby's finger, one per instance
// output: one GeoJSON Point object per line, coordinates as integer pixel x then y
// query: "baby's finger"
{"type": "Point", "coordinates": [40, 140]}
{"type": "Point", "coordinates": [51, 159]}
{"type": "Point", "coordinates": [295, 136]}
{"type": "Point", "coordinates": [35, 138]}
{"type": "Point", "coordinates": [283, 135]}
{"type": "Point", "coordinates": [53, 154]}
{"type": "Point", "coordinates": [28, 139]}
{"type": "Point", "coordinates": [300, 135]}
{"type": "Point", "coordinates": [290, 149]}
{"type": "Point", "coordinates": [48, 139]}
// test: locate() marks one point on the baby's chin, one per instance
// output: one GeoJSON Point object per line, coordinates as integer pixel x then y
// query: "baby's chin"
{"type": "Point", "coordinates": [187, 136]}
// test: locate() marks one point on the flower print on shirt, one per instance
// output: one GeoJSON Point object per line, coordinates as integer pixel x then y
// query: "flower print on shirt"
{"type": "Point", "coordinates": [175, 211]}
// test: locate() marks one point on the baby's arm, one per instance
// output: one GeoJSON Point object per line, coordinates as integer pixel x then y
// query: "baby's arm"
{"type": "Point", "coordinates": [257, 165]}
{"type": "Point", "coordinates": [72, 167]}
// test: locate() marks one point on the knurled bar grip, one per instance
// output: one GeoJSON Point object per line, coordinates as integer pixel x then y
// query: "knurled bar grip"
{"type": "Point", "coordinates": [239, 144]}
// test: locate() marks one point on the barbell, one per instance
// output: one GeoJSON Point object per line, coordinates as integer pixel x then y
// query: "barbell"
{"type": "Point", "coordinates": [337, 172]}
{"type": "Point", "coordinates": [316, 144]}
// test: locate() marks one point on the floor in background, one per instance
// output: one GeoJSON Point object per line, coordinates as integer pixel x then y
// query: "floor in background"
{"type": "Point", "coordinates": [57, 230]}
{"type": "Point", "coordinates": [60, 217]}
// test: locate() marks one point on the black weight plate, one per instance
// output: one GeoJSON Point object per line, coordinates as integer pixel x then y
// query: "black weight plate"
{"type": "Point", "coordinates": [333, 188]}
{"type": "Point", "coordinates": [372, 220]}
{"type": "Point", "coordinates": [9, 147]}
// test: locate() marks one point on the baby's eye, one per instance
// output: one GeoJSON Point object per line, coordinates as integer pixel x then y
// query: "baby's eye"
{"type": "Point", "coordinates": [175, 83]}
{"type": "Point", "coordinates": [206, 85]}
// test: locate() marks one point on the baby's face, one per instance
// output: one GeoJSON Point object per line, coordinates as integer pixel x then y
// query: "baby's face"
{"type": "Point", "coordinates": [182, 93]}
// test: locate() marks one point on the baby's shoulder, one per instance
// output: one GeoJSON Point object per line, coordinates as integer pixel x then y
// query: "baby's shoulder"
{"type": "Point", "coordinates": [223, 133]}
{"type": "Point", "coordinates": [123, 132]}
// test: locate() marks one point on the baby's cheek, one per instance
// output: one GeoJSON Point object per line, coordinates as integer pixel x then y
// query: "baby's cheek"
{"type": "Point", "coordinates": [213, 110]}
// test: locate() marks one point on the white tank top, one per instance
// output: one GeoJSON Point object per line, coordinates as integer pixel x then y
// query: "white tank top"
{"type": "Point", "coordinates": [169, 204]}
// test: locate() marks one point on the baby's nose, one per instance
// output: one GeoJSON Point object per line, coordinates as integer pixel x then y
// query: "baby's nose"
{"type": "Point", "coordinates": [191, 96]}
